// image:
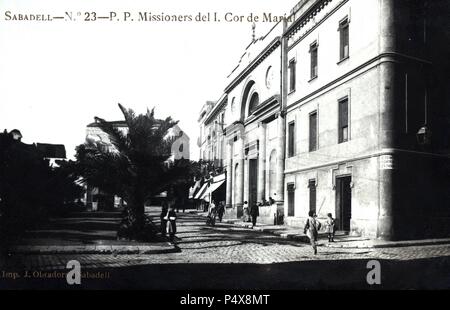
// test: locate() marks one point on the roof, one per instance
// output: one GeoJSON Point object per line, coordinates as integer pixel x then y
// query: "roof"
{"type": "Point", "coordinates": [114, 123]}
{"type": "Point", "coordinates": [52, 150]}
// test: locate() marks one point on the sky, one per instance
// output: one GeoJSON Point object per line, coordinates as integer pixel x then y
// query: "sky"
{"type": "Point", "coordinates": [56, 76]}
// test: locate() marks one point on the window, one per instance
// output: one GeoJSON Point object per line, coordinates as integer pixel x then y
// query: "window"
{"type": "Point", "coordinates": [254, 101]}
{"type": "Point", "coordinates": [291, 139]}
{"type": "Point", "coordinates": [343, 120]}
{"type": "Point", "coordinates": [313, 131]}
{"type": "Point", "coordinates": [292, 68]}
{"type": "Point", "coordinates": [344, 39]}
{"type": "Point", "coordinates": [312, 195]}
{"type": "Point", "coordinates": [291, 199]}
{"type": "Point", "coordinates": [313, 50]}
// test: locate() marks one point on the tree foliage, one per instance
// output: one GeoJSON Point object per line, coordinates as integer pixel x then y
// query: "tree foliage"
{"type": "Point", "coordinates": [136, 167]}
{"type": "Point", "coordinates": [31, 190]}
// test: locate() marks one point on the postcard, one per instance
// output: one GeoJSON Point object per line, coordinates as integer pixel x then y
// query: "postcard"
{"type": "Point", "coordinates": [244, 147]}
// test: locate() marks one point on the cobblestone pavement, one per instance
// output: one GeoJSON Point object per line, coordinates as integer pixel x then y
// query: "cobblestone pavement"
{"type": "Point", "coordinates": [227, 247]}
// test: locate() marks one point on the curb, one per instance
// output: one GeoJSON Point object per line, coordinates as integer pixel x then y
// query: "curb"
{"type": "Point", "coordinates": [372, 244]}
{"type": "Point", "coordinates": [95, 249]}
{"type": "Point", "coordinates": [280, 233]}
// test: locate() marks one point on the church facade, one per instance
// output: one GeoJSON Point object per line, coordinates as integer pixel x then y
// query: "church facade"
{"type": "Point", "coordinates": [341, 109]}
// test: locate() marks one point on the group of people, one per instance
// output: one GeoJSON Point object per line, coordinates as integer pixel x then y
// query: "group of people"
{"type": "Point", "coordinates": [215, 210]}
{"type": "Point", "coordinates": [168, 218]}
{"type": "Point", "coordinates": [313, 226]}
{"type": "Point", "coordinates": [251, 213]}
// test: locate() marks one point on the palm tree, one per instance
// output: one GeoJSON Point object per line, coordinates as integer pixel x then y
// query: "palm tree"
{"type": "Point", "coordinates": [136, 169]}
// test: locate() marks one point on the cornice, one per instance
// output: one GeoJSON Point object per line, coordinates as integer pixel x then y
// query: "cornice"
{"type": "Point", "coordinates": [216, 109]}
{"type": "Point", "coordinates": [306, 17]}
{"type": "Point", "coordinates": [266, 105]}
{"type": "Point", "coordinates": [263, 55]}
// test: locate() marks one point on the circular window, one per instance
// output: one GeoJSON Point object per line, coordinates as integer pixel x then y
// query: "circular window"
{"type": "Point", "coordinates": [232, 104]}
{"type": "Point", "coordinates": [269, 77]}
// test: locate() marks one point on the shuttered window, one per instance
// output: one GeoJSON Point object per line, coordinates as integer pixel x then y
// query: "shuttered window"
{"type": "Point", "coordinates": [344, 39]}
{"type": "Point", "coordinates": [291, 199]}
{"type": "Point", "coordinates": [291, 139]}
{"type": "Point", "coordinates": [313, 131]}
{"type": "Point", "coordinates": [343, 120]}
{"type": "Point", "coordinates": [313, 50]}
{"type": "Point", "coordinates": [292, 73]}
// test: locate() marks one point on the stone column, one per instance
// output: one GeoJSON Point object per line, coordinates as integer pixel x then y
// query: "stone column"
{"type": "Point", "coordinates": [386, 136]}
{"type": "Point", "coordinates": [262, 162]}
{"type": "Point", "coordinates": [240, 177]}
{"type": "Point", "coordinates": [228, 201]}
{"type": "Point", "coordinates": [280, 158]}
{"type": "Point", "coordinates": [246, 180]}
{"type": "Point", "coordinates": [281, 122]}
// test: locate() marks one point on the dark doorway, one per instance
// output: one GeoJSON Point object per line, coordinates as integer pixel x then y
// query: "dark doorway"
{"type": "Point", "coordinates": [343, 203]}
{"type": "Point", "coordinates": [291, 199]}
{"type": "Point", "coordinates": [253, 182]}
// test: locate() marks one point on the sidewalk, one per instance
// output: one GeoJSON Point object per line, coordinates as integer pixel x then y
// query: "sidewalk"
{"type": "Point", "coordinates": [154, 248]}
{"type": "Point", "coordinates": [84, 233]}
{"type": "Point", "coordinates": [342, 240]}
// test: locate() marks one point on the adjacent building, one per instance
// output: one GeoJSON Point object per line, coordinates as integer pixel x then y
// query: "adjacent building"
{"type": "Point", "coordinates": [342, 108]}
{"type": "Point", "coordinates": [94, 198]}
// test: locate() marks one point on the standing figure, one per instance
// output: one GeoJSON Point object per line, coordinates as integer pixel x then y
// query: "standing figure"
{"type": "Point", "coordinates": [172, 225]}
{"type": "Point", "coordinates": [271, 201]}
{"type": "Point", "coordinates": [162, 216]}
{"type": "Point", "coordinates": [212, 212]}
{"type": "Point", "coordinates": [312, 228]}
{"type": "Point", "coordinates": [220, 211]}
{"type": "Point", "coordinates": [246, 217]}
{"type": "Point", "coordinates": [330, 227]}
{"type": "Point", "coordinates": [254, 212]}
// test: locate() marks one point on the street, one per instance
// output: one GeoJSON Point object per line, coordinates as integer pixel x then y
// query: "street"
{"type": "Point", "coordinates": [230, 257]}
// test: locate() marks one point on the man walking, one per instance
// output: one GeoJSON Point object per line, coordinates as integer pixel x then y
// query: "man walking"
{"type": "Point", "coordinates": [254, 212]}
{"type": "Point", "coordinates": [312, 228]}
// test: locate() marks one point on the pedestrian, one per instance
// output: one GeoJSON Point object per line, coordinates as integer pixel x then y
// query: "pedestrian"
{"type": "Point", "coordinates": [330, 225]}
{"type": "Point", "coordinates": [312, 228]}
{"type": "Point", "coordinates": [246, 217]}
{"type": "Point", "coordinates": [271, 201]}
{"type": "Point", "coordinates": [162, 216]}
{"type": "Point", "coordinates": [172, 225]}
{"type": "Point", "coordinates": [254, 212]}
{"type": "Point", "coordinates": [220, 211]}
{"type": "Point", "coordinates": [212, 212]}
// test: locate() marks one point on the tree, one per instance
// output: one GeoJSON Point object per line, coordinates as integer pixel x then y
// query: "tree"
{"type": "Point", "coordinates": [136, 168]}
{"type": "Point", "coordinates": [30, 190]}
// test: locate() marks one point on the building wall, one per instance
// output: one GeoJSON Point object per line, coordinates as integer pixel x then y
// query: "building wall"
{"type": "Point", "coordinates": [364, 27]}
{"type": "Point", "coordinates": [393, 90]}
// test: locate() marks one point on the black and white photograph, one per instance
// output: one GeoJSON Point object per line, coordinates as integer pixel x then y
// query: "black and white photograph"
{"type": "Point", "coordinates": [240, 146]}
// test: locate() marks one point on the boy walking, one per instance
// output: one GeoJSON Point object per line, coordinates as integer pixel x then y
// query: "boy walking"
{"type": "Point", "coordinates": [312, 228]}
{"type": "Point", "coordinates": [330, 227]}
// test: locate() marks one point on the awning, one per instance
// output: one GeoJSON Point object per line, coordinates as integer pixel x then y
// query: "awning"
{"type": "Point", "coordinates": [201, 191]}
{"type": "Point", "coordinates": [193, 190]}
{"type": "Point", "coordinates": [212, 188]}
{"type": "Point", "coordinates": [217, 181]}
